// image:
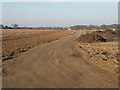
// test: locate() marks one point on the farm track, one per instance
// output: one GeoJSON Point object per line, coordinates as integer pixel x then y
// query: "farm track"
{"type": "Point", "coordinates": [52, 65]}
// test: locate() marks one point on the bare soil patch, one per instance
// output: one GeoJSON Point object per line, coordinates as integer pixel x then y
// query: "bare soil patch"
{"type": "Point", "coordinates": [17, 41]}
{"type": "Point", "coordinates": [100, 36]}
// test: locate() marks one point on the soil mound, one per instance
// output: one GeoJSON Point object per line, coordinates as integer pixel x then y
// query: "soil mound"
{"type": "Point", "coordinates": [100, 36]}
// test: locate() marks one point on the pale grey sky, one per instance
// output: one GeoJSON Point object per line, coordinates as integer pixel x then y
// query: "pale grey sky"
{"type": "Point", "coordinates": [59, 13]}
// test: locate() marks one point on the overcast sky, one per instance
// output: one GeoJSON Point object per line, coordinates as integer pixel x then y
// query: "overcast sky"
{"type": "Point", "coordinates": [59, 13]}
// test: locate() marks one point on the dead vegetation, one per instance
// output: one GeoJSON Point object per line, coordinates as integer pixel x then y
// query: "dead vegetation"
{"type": "Point", "coordinates": [103, 55]}
{"type": "Point", "coordinates": [100, 48]}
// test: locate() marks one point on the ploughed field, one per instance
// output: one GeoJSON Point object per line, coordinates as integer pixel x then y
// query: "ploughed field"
{"type": "Point", "coordinates": [16, 41]}
{"type": "Point", "coordinates": [73, 60]}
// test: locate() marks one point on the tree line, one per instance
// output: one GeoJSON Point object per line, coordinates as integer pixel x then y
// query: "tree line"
{"type": "Point", "coordinates": [15, 26]}
{"type": "Point", "coordinates": [79, 27]}
{"type": "Point", "coordinates": [75, 27]}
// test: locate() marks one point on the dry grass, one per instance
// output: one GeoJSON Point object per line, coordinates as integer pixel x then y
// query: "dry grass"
{"type": "Point", "coordinates": [90, 31]}
{"type": "Point", "coordinates": [99, 52]}
{"type": "Point", "coordinates": [103, 55]}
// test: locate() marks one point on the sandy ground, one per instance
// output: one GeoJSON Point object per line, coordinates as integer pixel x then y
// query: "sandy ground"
{"type": "Point", "coordinates": [57, 64]}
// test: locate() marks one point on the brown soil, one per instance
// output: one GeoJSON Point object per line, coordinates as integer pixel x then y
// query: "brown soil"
{"type": "Point", "coordinates": [101, 49]}
{"type": "Point", "coordinates": [53, 65]}
{"type": "Point", "coordinates": [16, 41]}
{"type": "Point", "coordinates": [99, 36]}
{"type": "Point", "coordinates": [103, 55]}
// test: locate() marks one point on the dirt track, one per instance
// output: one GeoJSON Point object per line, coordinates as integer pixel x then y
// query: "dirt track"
{"type": "Point", "coordinates": [52, 65]}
